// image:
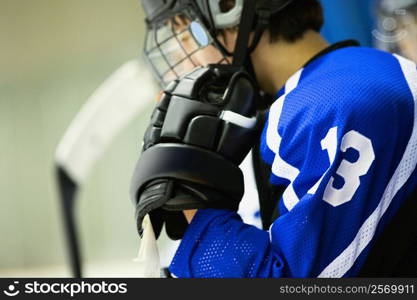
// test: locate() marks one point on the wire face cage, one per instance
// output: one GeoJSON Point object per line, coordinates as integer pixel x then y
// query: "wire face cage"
{"type": "Point", "coordinates": [180, 44]}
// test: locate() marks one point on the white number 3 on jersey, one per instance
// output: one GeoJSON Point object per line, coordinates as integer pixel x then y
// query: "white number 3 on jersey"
{"type": "Point", "coordinates": [350, 172]}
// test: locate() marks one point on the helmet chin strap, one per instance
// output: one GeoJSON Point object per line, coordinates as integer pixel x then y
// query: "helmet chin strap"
{"type": "Point", "coordinates": [245, 28]}
{"type": "Point", "coordinates": [256, 15]}
{"type": "Point", "coordinates": [241, 57]}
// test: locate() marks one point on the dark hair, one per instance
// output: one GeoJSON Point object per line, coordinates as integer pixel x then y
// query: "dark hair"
{"type": "Point", "coordinates": [292, 22]}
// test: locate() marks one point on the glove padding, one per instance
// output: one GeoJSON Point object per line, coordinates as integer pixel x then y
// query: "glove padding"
{"type": "Point", "coordinates": [201, 130]}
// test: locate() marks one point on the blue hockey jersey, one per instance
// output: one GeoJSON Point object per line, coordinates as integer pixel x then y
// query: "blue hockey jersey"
{"type": "Point", "coordinates": [342, 138]}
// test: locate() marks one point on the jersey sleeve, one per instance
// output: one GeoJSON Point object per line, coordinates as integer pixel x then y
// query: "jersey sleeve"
{"type": "Point", "coordinates": [346, 154]}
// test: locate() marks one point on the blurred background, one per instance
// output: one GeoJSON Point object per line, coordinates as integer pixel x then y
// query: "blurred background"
{"type": "Point", "coordinates": [54, 54]}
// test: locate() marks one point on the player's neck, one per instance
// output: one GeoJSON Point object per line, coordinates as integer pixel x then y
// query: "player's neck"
{"type": "Point", "coordinates": [275, 63]}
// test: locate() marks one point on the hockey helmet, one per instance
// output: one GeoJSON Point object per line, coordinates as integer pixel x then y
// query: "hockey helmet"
{"type": "Point", "coordinates": [178, 31]}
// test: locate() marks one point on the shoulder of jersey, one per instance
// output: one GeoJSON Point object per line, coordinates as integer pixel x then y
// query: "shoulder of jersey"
{"type": "Point", "coordinates": [352, 79]}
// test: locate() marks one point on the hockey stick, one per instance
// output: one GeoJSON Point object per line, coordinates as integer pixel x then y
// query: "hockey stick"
{"type": "Point", "coordinates": [124, 95]}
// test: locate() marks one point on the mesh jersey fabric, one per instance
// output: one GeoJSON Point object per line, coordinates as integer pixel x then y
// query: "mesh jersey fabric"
{"type": "Point", "coordinates": [342, 137]}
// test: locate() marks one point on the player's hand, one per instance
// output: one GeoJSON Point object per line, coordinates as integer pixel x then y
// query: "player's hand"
{"type": "Point", "coordinates": [201, 130]}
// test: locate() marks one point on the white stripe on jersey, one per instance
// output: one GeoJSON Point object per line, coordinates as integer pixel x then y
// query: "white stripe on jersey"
{"type": "Point", "coordinates": [280, 167]}
{"type": "Point", "coordinates": [338, 267]}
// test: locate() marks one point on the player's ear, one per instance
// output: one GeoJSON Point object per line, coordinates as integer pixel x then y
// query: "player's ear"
{"type": "Point", "coordinates": [228, 38]}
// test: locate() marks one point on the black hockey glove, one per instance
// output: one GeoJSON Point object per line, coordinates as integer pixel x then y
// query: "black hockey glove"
{"type": "Point", "coordinates": [201, 130]}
